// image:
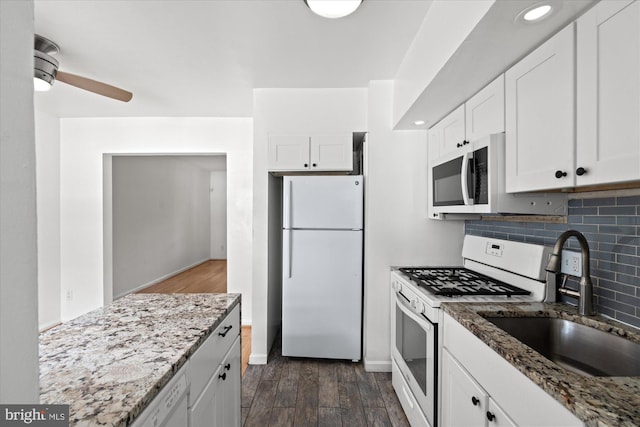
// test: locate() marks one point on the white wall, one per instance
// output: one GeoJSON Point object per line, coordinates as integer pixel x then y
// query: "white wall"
{"type": "Point", "coordinates": [83, 141]}
{"type": "Point", "coordinates": [287, 111]}
{"type": "Point", "coordinates": [445, 27]}
{"type": "Point", "coordinates": [160, 219]}
{"type": "Point", "coordinates": [18, 254]}
{"type": "Point", "coordinates": [47, 131]}
{"type": "Point", "coordinates": [397, 231]}
{"type": "Point", "coordinates": [218, 249]}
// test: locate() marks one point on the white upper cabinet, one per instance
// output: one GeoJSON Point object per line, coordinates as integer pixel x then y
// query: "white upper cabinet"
{"type": "Point", "coordinates": [540, 137]}
{"type": "Point", "coordinates": [318, 152]}
{"type": "Point", "coordinates": [480, 116]}
{"type": "Point", "coordinates": [608, 94]}
{"type": "Point", "coordinates": [484, 113]}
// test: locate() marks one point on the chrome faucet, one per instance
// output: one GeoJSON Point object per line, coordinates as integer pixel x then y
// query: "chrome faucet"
{"type": "Point", "coordinates": [585, 292]}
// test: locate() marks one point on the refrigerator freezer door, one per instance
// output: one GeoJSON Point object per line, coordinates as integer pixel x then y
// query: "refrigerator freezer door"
{"type": "Point", "coordinates": [323, 202]}
{"type": "Point", "coordinates": [322, 298]}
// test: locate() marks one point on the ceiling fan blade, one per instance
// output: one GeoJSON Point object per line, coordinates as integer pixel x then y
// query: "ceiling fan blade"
{"type": "Point", "coordinates": [94, 86]}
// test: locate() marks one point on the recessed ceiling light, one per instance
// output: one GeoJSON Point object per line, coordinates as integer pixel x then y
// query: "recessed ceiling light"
{"type": "Point", "coordinates": [419, 122]}
{"type": "Point", "coordinates": [535, 13]}
{"type": "Point", "coordinates": [333, 8]}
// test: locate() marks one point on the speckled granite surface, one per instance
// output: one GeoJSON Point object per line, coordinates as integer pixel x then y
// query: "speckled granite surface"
{"type": "Point", "coordinates": [598, 401]}
{"type": "Point", "coordinates": [110, 363]}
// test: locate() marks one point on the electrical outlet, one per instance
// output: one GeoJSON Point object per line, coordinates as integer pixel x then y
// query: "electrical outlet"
{"type": "Point", "coordinates": [69, 295]}
{"type": "Point", "coordinates": [571, 263]}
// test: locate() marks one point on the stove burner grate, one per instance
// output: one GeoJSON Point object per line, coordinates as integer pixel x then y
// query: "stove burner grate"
{"type": "Point", "coordinates": [457, 281]}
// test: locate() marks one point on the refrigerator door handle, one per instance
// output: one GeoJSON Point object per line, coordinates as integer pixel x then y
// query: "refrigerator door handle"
{"type": "Point", "coordinates": [288, 206]}
{"type": "Point", "coordinates": [288, 252]}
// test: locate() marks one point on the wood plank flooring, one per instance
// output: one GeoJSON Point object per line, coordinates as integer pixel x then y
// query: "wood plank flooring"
{"type": "Point", "coordinates": [210, 276]}
{"type": "Point", "coordinates": [317, 392]}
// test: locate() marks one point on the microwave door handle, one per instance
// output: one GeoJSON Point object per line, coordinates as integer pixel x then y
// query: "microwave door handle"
{"type": "Point", "coordinates": [464, 172]}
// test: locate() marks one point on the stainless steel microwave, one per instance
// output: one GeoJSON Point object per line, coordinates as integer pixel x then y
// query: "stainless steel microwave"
{"type": "Point", "coordinates": [471, 180]}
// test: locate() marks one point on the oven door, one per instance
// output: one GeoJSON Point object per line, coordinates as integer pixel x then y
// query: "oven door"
{"type": "Point", "coordinates": [414, 351]}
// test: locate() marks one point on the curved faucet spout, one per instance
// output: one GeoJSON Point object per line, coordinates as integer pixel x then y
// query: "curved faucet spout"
{"type": "Point", "coordinates": [585, 294]}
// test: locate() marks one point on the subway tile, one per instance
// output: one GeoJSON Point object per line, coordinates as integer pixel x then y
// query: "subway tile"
{"type": "Point", "coordinates": [628, 220]}
{"type": "Point", "coordinates": [618, 306]}
{"type": "Point", "coordinates": [584, 211]}
{"type": "Point", "coordinates": [628, 299]}
{"type": "Point", "coordinates": [616, 286]}
{"type": "Point", "coordinates": [617, 210]}
{"type": "Point", "coordinates": [628, 240]}
{"type": "Point", "coordinates": [606, 311]}
{"type": "Point", "coordinates": [628, 279]}
{"type": "Point", "coordinates": [599, 219]}
{"type": "Point", "coordinates": [618, 229]}
{"type": "Point", "coordinates": [604, 293]}
{"type": "Point", "coordinates": [575, 219]}
{"type": "Point", "coordinates": [629, 260]}
{"type": "Point", "coordinates": [605, 256]}
{"type": "Point", "coordinates": [618, 268]}
{"type": "Point", "coordinates": [604, 201]}
{"type": "Point", "coordinates": [574, 202]}
{"type": "Point", "coordinates": [629, 200]}
{"type": "Point", "coordinates": [618, 249]}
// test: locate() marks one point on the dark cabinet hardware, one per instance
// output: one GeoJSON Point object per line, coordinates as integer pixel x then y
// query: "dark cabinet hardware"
{"type": "Point", "coordinates": [224, 377]}
{"type": "Point", "coordinates": [490, 416]}
{"type": "Point", "coordinates": [581, 171]}
{"type": "Point", "coordinates": [314, 165]}
{"type": "Point", "coordinates": [225, 331]}
{"type": "Point", "coordinates": [227, 366]}
{"type": "Point", "coordinates": [560, 174]}
{"type": "Point", "coordinates": [306, 165]}
{"type": "Point", "coordinates": [474, 400]}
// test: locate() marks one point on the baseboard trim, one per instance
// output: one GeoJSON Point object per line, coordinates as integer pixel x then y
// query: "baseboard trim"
{"type": "Point", "coordinates": [160, 279]}
{"type": "Point", "coordinates": [377, 365]}
{"type": "Point", "coordinates": [257, 359]}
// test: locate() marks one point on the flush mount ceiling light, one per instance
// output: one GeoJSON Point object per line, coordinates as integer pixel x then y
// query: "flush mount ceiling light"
{"type": "Point", "coordinates": [333, 8]}
{"type": "Point", "coordinates": [535, 13]}
{"type": "Point", "coordinates": [419, 122]}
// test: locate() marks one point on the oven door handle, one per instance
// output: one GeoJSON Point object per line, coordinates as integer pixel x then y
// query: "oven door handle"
{"type": "Point", "coordinates": [403, 304]}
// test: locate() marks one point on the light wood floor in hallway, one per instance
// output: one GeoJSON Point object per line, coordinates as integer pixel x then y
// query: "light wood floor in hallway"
{"type": "Point", "coordinates": [210, 276]}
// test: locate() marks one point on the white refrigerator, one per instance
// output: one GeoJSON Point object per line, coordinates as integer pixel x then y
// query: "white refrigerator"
{"type": "Point", "coordinates": [322, 266]}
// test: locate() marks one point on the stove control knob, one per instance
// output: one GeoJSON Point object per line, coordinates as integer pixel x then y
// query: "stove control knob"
{"type": "Point", "coordinates": [414, 304]}
{"type": "Point", "coordinates": [397, 286]}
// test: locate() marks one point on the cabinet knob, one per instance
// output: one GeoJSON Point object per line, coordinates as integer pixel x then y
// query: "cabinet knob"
{"type": "Point", "coordinates": [560, 174]}
{"type": "Point", "coordinates": [458, 145]}
{"type": "Point", "coordinates": [314, 165]}
{"type": "Point", "coordinates": [490, 416]}
{"type": "Point", "coordinates": [465, 142]}
{"type": "Point", "coordinates": [474, 400]}
{"type": "Point", "coordinates": [581, 171]}
{"type": "Point", "coordinates": [227, 366]}
{"type": "Point", "coordinates": [306, 165]}
{"type": "Point", "coordinates": [224, 377]}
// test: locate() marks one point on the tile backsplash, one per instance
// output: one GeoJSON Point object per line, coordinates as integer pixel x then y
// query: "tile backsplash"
{"type": "Point", "coordinates": [612, 228]}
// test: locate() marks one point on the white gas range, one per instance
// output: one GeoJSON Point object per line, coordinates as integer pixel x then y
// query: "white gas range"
{"type": "Point", "coordinates": [492, 270]}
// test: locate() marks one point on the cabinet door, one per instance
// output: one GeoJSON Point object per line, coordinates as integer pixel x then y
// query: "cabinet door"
{"type": "Point", "coordinates": [464, 402]}
{"type": "Point", "coordinates": [332, 152]}
{"type": "Point", "coordinates": [484, 113]}
{"type": "Point", "coordinates": [608, 85]}
{"type": "Point", "coordinates": [228, 397]}
{"type": "Point", "coordinates": [451, 129]}
{"type": "Point", "coordinates": [540, 119]}
{"type": "Point", "coordinates": [206, 411]}
{"type": "Point", "coordinates": [496, 417]}
{"type": "Point", "coordinates": [289, 152]}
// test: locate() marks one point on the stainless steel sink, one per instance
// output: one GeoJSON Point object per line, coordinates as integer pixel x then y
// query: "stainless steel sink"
{"type": "Point", "coordinates": [573, 346]}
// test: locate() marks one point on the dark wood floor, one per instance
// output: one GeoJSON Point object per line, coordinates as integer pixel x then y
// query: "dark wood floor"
{"type": "Point", "coordinates": [317, 392]}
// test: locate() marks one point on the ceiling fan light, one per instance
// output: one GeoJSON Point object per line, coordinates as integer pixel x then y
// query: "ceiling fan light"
{"type": "Point", "coordinates": [333, 8]}
{"type": "Point", "coordinates": [41, 85]}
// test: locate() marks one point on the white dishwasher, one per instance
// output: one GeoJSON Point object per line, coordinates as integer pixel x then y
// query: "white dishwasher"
{"type": "Point", "coordinates": [169, 407]}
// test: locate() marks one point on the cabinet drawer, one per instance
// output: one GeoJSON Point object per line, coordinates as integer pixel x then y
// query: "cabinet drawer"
{"type": "Point", "coordinates": [208, 357]}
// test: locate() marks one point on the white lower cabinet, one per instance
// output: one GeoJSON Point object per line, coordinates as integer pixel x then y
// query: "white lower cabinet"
{"type": "Point", "coordinates": [480, 388]}
{"type": "Point", "coordinates": [219, 402]}
{"type": "Point", "coordinates": [214, 399]}
{"type": "Point", "coordinates": [464, 401]}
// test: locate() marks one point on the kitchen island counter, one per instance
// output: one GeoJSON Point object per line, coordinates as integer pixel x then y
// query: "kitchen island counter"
{"type": "Point", "coordinates": [597, 401]}
{"type": "Point", "coordinates": [109, 364]}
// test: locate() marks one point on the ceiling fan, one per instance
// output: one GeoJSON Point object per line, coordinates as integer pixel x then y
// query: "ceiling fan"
{"type": "Point", "coordinates": [46, 72]}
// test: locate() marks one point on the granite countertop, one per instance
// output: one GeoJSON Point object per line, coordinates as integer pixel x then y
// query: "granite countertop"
{"type": "Point", "coordinates": [109, 364]}
{"type": "Point", "coordinates": [598, 401]}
